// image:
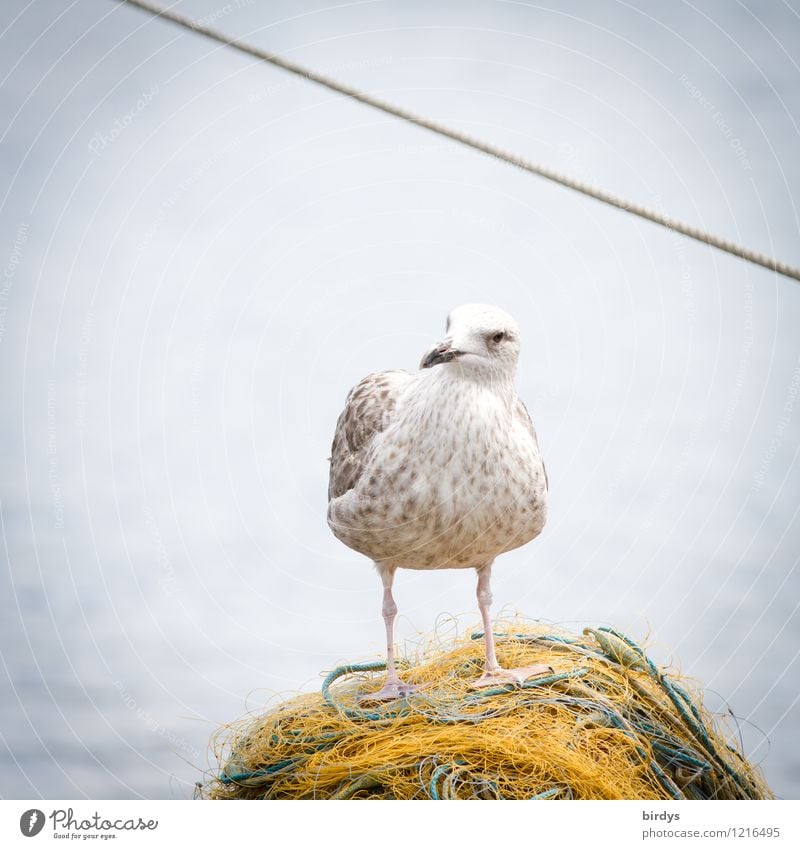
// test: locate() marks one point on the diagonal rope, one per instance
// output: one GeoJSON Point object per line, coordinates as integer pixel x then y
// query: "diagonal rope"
{"type": "Point", "coordinates": [468, 140]}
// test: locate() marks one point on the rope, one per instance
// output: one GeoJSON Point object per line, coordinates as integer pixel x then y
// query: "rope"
{"type": "Point", "coordinates": [672, 746]}
{"type": "Point", "coordinates": [469, 141]}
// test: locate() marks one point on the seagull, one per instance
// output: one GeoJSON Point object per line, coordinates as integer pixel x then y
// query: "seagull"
{"type": "Point", "coordinates": [441, 469]}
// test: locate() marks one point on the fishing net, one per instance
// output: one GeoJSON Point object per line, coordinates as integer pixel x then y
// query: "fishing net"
{"type": "Point", "coordinates": [606, 724]}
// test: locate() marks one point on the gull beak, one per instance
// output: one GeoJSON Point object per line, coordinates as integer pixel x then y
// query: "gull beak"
{"type": "Point", "coordinates": [442, 353]}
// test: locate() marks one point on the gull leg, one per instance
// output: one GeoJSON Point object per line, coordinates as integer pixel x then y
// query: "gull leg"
{"type": "Point", "coordinates": [494, 674]}
{"type": "Point", "coordinates": [393, 687]}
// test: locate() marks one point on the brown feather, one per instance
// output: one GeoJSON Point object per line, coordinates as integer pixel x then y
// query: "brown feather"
{"type": "Point", "coordinates": [368, 410]}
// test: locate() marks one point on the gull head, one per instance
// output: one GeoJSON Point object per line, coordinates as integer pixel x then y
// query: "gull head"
{"type": "Point", "coordinates": [481, 341]}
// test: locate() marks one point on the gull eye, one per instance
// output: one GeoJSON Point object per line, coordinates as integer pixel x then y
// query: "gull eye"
{"type": "Point", "coordinates": [498, 337]}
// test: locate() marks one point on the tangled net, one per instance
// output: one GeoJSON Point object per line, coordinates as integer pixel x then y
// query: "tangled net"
{"type": "Point", "coordinates": [607, 724]}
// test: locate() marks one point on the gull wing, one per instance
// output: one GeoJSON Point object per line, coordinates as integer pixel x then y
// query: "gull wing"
{"type": "Point", "coordinates": [525, 417]}
{"type": "Point", "coordinates": [368, 411]}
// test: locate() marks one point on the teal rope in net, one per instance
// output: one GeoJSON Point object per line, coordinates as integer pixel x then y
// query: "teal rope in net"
{"type": "Point", "coordinates": [663, 750]}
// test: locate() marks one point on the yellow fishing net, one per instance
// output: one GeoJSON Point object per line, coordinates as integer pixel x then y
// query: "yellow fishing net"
{"type": "Point", "coordinates": [606, 724]}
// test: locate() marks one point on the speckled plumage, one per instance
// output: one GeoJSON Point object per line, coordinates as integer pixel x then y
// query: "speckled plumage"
{"type": "Point", "coordinates": [439, 468]}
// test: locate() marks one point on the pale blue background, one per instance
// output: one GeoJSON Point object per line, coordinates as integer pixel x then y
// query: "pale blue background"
{"type": "Point", "coordinates": [186, 301]}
